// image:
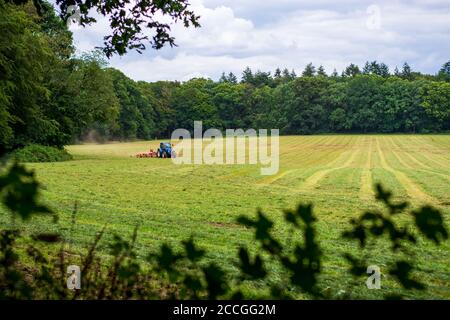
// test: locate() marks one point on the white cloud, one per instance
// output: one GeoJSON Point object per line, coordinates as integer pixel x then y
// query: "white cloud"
{"type": "Point", "coordinates": [184, 66]}
{"type": "Point", "coordinates": [291, 33]}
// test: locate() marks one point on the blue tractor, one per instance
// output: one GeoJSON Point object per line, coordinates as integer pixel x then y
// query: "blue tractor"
{"type": "Point", "coordinates": [165, 150]}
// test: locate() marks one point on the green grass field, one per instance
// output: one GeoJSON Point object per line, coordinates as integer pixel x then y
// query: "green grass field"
{"type": "Point", "coordinates": [170, 202]}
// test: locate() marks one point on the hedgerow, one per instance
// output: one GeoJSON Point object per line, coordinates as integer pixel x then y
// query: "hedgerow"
{"type": "Point", "coordinates": [39, 153]}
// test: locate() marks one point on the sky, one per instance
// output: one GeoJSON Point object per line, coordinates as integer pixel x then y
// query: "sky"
{"type": "Point", "coordinates": [266, 34]}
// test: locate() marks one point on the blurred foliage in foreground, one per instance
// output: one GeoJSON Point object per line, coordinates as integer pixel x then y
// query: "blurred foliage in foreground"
{"type": "Point", "coordinates": [169, 274]}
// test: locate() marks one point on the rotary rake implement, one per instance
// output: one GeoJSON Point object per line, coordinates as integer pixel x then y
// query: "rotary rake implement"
{"type": "Point", "coordinates": [150, 154]}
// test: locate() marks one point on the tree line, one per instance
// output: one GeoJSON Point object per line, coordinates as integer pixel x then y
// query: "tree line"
{"type": "Point", "coordinates": [50, 96]}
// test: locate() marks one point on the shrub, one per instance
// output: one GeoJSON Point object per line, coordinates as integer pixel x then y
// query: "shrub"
{"type": "Point", "coordinates": [39, 153]}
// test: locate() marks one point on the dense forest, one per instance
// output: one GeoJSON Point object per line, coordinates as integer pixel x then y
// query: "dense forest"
{"type": "Point", "coordinates": [51, 96]}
